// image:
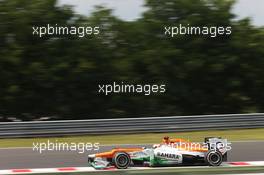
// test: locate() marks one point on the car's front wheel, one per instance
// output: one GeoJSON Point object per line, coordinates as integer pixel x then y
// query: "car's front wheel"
{"type": "Point", "coordinates": [121, 160]}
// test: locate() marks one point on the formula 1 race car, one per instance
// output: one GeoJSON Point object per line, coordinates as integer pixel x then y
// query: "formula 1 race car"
{"type": "Point", "coordinates": [171, 152]}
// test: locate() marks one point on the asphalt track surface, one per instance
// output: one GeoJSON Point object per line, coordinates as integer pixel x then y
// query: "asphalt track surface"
{"type": "Point", "coordinates": [18, 158]}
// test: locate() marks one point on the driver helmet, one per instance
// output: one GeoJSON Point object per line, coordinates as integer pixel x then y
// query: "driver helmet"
{"type": "Point", "coordinates": [166, 140]}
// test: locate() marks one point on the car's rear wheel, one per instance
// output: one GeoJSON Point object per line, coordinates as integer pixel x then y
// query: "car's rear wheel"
{"type": "Point", "coordinates": [214, 158]}
{"type": "Point", "coordinates": [121, 160]}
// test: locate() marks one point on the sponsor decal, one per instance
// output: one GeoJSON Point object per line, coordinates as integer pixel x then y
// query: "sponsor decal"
{"type": "Point", "coordinates": [168, 155]}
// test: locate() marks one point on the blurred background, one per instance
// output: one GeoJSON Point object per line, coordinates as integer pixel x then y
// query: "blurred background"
{"type": "Point", "coordinates": [57, 77]}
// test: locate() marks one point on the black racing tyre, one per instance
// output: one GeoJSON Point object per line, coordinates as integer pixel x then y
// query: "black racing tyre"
{"type": "Point", "coordinates": [225, 157]}
{"type": "Point", "coordinates": [90, 160]}
{"type": "Point", "coordinates": [121, 160]}
{"type": "Point", "coordinates": [213, 158]}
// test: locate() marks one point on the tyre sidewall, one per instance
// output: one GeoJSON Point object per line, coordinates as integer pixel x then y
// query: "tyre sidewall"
{"type": "Point", "coordinates": [121, 155]}
{"type": "Point", "coordinates": [210, 154]}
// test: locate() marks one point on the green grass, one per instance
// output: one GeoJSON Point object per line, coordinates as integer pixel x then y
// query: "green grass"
{"type": "Point", "coordinates": [178, 171]}
{"type": "Point", "coordinates": [232, 135]}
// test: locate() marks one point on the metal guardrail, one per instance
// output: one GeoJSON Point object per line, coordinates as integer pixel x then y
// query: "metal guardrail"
{"type": "Point", "coordinates": [130, 125]}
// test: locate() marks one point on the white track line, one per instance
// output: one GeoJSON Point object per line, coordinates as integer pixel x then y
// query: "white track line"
{"type": "Point", "coordinates": [90, 169]}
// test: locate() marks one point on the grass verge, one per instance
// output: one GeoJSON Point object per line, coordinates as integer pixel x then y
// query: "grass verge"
{"type": "Point", "coordinates": [231, 135]}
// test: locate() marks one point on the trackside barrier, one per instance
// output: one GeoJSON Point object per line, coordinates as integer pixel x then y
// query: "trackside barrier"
{"type": "Point", "coordinates": [129, 125]}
